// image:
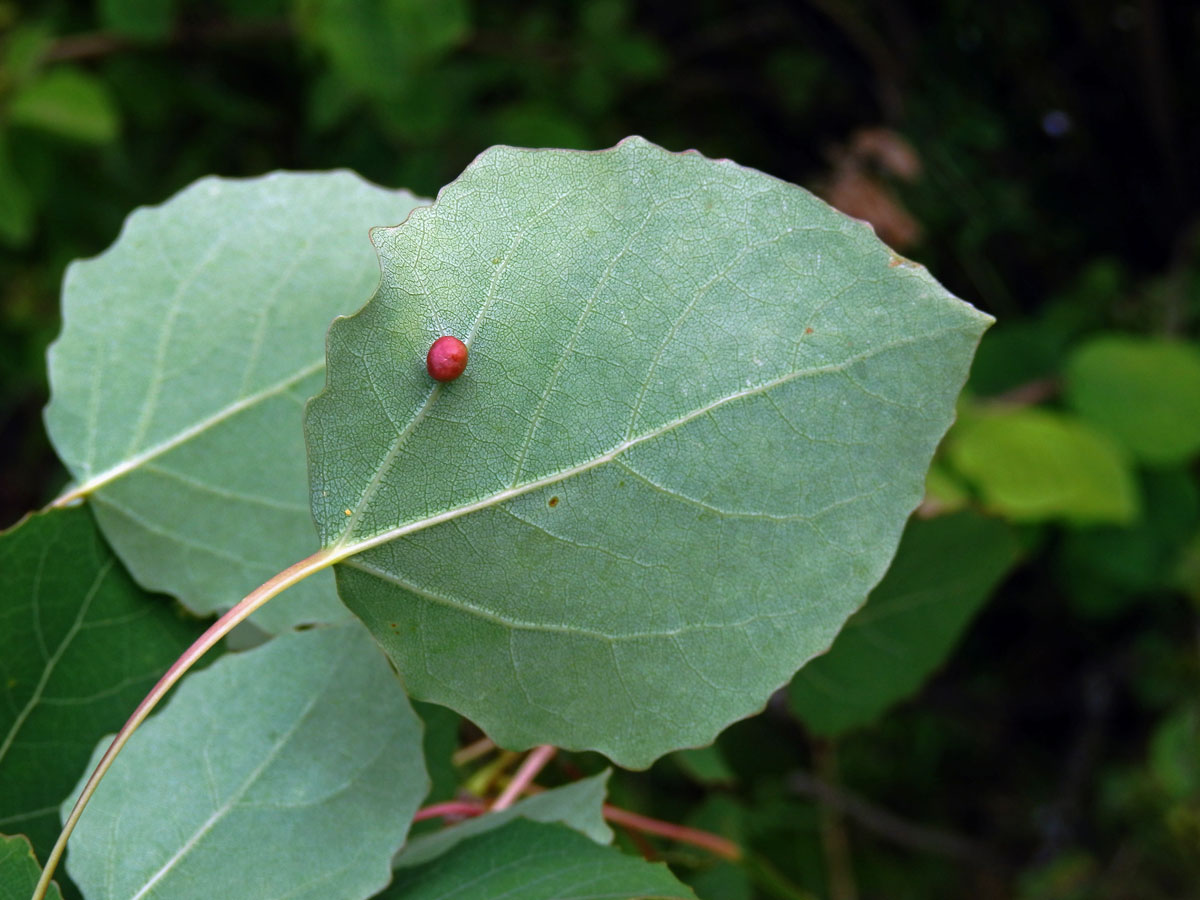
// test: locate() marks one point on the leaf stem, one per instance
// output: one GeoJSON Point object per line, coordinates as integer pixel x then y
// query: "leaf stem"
{"type": "Point", "coordinates": [466, 809]}
{"type": "Point", "coordinates": [533, 764]}
{"type": "Point", "coordinates": [714, 843]}
{"type": "Point", "coordinates": [251, 602]}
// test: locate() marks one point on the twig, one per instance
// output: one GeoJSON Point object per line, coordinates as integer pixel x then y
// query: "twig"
{"type": "Point", "coordinates": [98, 44]}
{"type": "Point", "coordinates": [890, 826]}
{"type": "Point", "coordinates": [834, 839]}
{"type": "Point", "coordinates": [533, 764]}
{"type": "Point", "coordinates": [473, 751]}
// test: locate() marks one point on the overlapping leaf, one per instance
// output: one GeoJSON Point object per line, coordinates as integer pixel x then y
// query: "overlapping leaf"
{"type": "Point", "coordinates": [80, 644]}
{"type": "Point", "coordinates": [578, 805]}
{"type": "Point", "coordinates": [187, 352]}
{"type": "Point", "coordinates": [943, 572]}
{"type": "Point", "coordinates": [536, 862]}
{"type": "Point", "coordinates": [309, 798]}
{"type": "Point", "coordinates": [699, 407]}
{"type": "Point", "coordinates": [19, 870]}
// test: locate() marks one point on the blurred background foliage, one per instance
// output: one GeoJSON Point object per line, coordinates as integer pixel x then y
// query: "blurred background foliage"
{"type": "Point", "coordinates": [1039, 158]}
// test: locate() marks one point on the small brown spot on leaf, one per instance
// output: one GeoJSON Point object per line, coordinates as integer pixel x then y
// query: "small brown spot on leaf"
{"type": "Point", "coordinates": [808, 331]}
{"type": "Point", "coordinates": [553, 501]}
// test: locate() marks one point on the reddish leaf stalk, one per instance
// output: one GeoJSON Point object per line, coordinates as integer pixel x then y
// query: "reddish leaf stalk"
{"type": "Point", "coordinates": [533, 764]}
{"type": "Point", "coordinates": [465, 809]}
{"type": "Point", "coordinates": [714, 843]}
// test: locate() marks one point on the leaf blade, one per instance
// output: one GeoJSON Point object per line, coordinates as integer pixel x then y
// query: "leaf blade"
{"type": "Point", "coordinates": [535, 861]}
{"type": "Point", "coordinates": [79, 645]}
{"type": "Point", "coordinates": [187, 352]}
{"type": "Point", "coordinates": [668, 355]}
{"type": "Point", "coordinates": [328, 778]}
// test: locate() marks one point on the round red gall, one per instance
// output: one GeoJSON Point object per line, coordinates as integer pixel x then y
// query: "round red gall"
{"type": "Point", "coordinates": [447, 358]}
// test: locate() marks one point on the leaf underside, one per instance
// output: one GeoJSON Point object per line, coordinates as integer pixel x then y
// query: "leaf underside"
{"type": "Point", "coordinates": [188, 350]}
{"type": "Point", "coordinates": [699, 406]}
{"type": "Point", "coordinates": [309, 799]}
{"type": "Point", "coordinates": [535, 861]}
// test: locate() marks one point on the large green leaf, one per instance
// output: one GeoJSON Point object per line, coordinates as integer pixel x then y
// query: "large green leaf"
{"type": "Point", "coordinates": [579, 805]}
{"type": "Point", "coordinates": [291, 770]}
{"type": "Point", "coordinates": [943, 572]}
{"type": "Point", "coordinates": [80, 644]}
{"type": "Point", "coordinates": [187, 351]}
{"type": "Point", "coordinates": [534, 861]}
{"type": "Point", "coordinates": [1145, 392]}
{"type": "Point", "coordinates": [699, 407]}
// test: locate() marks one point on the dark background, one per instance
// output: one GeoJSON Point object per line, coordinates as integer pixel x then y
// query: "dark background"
{"type": "Point", "coordinates": [1040, 158]}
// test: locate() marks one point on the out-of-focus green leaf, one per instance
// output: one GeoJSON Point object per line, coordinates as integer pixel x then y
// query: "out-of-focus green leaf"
{"type": "Point", "coordinates": [148, 20]}
{"type": "Point", "coordinates": [536, 861]}
{"type": "Point", "coordinates": [439, 743]}
{"type": "Point", "coordinates": [578, 806]}
{"type": "Point", "coordinates": [67, 102]}
{"type": "Point", "coordinates": [80, 644]}
{"type": "Point", "coordinates": [943, 492]}
{"type": "Point", "coordinates": [288, 771]}
{"type": "Point", "coordinates": [1175, 754]}
{"type": "Point", "coordinates": [943, 572]}
{"type": "Point", "coordinates": [1034, 464]}
{"type": "Point", "coordinates": [376, 44]}
{"type": "Point", "coordinates": [705, 764]}
{"type": "Point", "coordinates": [1144, 391]}
{"type": "Point", "coordinates": [23, 49]}
{"type": "Point", "coordinates": [16, 206]}
{"type": "Point", "coordinates": [700, 406]}
{"type": "Point", "coordinates": [19, 870]}
{"type": "Point", "coordinates": [1105, 568]}
{"type": "Point", "coordinates": [188, 350]}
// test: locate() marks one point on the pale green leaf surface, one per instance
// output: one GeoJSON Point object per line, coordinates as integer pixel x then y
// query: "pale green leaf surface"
{"type": "Point", "coordinates": [67, 102]}
{"type": "Point", "coordinates": [291, 770]}
{"type": "Point", "coordinates": [19, 870]}
{"type": "Point", "coordinates": [944, 570]}
{"type": "Point", "coordinates": [699, 406]}
{"type": "Point", "coordinates": [80, 644]}
{"type": "Point", "coordinates": [1035, 464]}
{"type": "Point", "coordinates": [579, 806]}
{"type": "Point", "coordinates": [534, 861]}
{"type": "Point", "coordinates": [188, 350]}
{"type": "Point", "coordinates": [1143, 391]}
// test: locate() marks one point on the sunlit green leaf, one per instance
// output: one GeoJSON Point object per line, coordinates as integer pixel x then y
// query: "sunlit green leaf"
{"type": "Point", "coordinates": [1034, 464]}
{"type": "Point", "coordinates": [288, 771]}
{"type": "Point", "coordinates": [80, 644]}
{"type": "Point", "coordinates": [188, 350]}
{"type": "Point", "coordinates": [68, 102]}
{"type": "Point", "coordinates": [699, 407]}
{"type": "Point", "coordinates": [534, 861]}
{"type": "Point", "coordinates": [943, 572]}
{"type": "Point", "coordinates": [1144, 391]}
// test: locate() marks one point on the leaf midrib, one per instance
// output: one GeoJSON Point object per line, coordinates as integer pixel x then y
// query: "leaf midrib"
{"type": "Point", "coordinates": [344, 547]}
{"type": "Point", "coordinates": [180, 438]}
